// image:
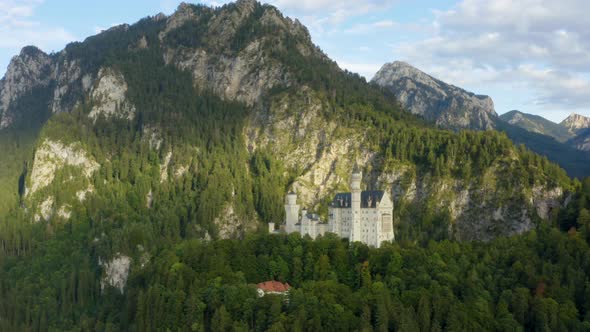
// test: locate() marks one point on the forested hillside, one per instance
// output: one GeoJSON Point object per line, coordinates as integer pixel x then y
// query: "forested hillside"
{"type": "Point", "coordinates": [536, 281]}
{"type": "Point", "coordinates": [138, 197]}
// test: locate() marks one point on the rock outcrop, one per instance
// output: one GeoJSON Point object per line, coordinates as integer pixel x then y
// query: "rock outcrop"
{"type": "Point", "coordinates": [54, 155]}
{"type": "Point", "coordinates": [582, 140]}
{"type": "Point", "coordinates": [437, 101]}
{"type": "Point", "coordinates": [109, 96]}
{"type": "Point", "coordinates": [294, 129]}
{"type": "Point", "coordinates": [476, 211]}
{"type": "Point", "coordinates": [116, 272]}
{"type": "Point", "coordinates": [248, 73]}
{"type": "Point", "coordinates": [576, 122]}
{"type": "Point", "coordinates": [31, 68]}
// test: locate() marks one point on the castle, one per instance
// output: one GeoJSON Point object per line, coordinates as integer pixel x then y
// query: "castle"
{"type": "Point", "coordinates": [364, 216]}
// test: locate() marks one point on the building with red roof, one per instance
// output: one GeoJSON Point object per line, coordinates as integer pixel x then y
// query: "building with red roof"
{"type": "Point", "coordinates": [272, 287]}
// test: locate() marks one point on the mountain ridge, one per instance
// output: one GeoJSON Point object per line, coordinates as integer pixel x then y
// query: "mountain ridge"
{"type": "Point", "coordinates": [457, 109]}
{"type": "Point", "coordinates": [537, 124]}
{"type": "Point", "coordinates": [139, 95]}
{"type": "Point", "coordinates": [160, 150]}
{"type": "Point", "coordinates": [454, 107]}
{"type": "Point", "coordinates": [573, 131]}
{"type": "Point", "coordinates": [575, 122]}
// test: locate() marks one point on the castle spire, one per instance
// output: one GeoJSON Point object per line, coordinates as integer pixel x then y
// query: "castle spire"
{"type": "Point", "coordinates": [356, 168]}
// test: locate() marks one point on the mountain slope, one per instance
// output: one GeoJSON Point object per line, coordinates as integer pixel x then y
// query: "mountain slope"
{"type": "Point", "coordinates": [454, 108]}
{"type": "Point", "coordinates": [575, 122]}
{"type": "Point", "coordinates": [444, 104]}
{"type": "Point", "coordinates": [228, 108]}
{"type": "Point", "coordinates": [537, 124]}
{"type": "Point", "coordinates": [160, 136]}
{"type": "Point", "coordinates": [573, 131]}
{"type": "Point", "coordinates": [582, 140]}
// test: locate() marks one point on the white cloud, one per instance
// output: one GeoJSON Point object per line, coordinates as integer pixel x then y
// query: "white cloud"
{"type": "Point", "coordinates": [366, 27]}
{"type": "Point", "coordinates": [539, 45]}
{"type": "Point", "coordinates": [19, 28]}
{"type": "Point", "coordinates": [99, 29]}
{"type": "Point", "coordinates": [320, 16]}
{"type": "Point", "coordinates": [366, 70]}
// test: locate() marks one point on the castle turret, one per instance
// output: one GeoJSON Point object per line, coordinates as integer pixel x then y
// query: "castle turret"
{"type": "Point", "coordinates": [355, 204]}
{"type": "Point", "coordinates": [291, 213]}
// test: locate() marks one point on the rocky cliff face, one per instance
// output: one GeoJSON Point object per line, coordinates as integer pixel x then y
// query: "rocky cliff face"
{"type": "Point", "coordinates": [295, 130]}
{"type": "Point", "coordinates": [582, 140]}
{"type": "Point", "coordinates": [576, 122]}
{"type": "Point", "coordinates": [248, 73]}
{"type": "Point", "coordinates": [579, 126]}
{"type": "Point", "coordinates": [445, 104]}
{"type": "Point", "coordinates": [109, 96]}
{"type": "Point", "coordinates": [30, 69]}
{"type": "Point", "coordinates": [53, 158]}
{"type": "Point", "coordinates": [477, 210]}
{"type": "Point", "coordinates": [34, 70]}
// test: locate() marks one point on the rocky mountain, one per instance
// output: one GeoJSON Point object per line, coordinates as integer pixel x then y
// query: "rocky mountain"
{"type": "Point", "coordinates": [537, 124]}
{"type": "Point", "coordinates": [31, 69]}
{"type": "Point", "coordinates": [582, 140]}
{"type": "Point", "coordinates": [199, 122]}
{"type": "Point", "coordinates": [125, 158]}
{"type": "Point", "coordinates": [573, 131]}
{"type": "Point", "coordinates": [437, 101]}
{"type": "Point", "coordinates": [575, 122]}
{"type": "Point", "coordinates": [454, 108]}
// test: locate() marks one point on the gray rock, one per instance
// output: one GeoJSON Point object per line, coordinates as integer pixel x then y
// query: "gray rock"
{"type": "Point", "coordinates": [435, 100]}
{"type": "Point", "coordinates": [31, 68]}
{"type": "Point", "coordinates": [576, 122]}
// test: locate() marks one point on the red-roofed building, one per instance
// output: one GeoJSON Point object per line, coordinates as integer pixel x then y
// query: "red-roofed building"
{"type": "Point", "coordinates": [272, 287]}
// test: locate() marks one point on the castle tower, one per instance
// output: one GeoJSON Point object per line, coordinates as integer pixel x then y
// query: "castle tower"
{"type": "Point", "coordinates": [355, 205]}
{"type": "Point", "coordinates": [291, 213]}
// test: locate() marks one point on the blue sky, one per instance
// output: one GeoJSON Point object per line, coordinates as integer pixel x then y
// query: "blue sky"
{"type": "Point", "coordinates": [530, 55]}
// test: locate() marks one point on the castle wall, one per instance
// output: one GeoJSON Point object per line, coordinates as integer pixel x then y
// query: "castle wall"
{"type": "Point", "coordinates": [371, 223]}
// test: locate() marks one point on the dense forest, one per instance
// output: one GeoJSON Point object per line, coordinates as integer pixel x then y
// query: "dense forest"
{"type": "Point", "coordinates": [536, 281]}
{"type": "Point", "coordinates": [186, 274]}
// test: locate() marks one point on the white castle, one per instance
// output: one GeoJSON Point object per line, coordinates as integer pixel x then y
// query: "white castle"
{"type": "Point", "coordinates": [364, 216]}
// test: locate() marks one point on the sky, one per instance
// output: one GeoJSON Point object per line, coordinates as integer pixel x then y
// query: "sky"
{"type": "Point", "coordinates": [529, 55]}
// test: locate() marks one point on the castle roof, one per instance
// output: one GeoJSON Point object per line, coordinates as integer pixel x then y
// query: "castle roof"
{"type": "Point", "coordinates": [313, 216]}
{"type": "Point", "coordinates": [273, 286]}
{"type": "Point", "coordinates": [369, 199]}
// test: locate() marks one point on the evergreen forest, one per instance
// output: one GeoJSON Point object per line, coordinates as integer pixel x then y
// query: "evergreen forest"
{"type": "Point", "coordinates": [187, 272]}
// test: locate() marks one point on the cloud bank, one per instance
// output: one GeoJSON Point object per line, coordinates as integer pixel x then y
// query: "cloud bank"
{"type": "Point", "coordinates": [542, 46]}
{"type": "Point", "coordinates": [18, 28]}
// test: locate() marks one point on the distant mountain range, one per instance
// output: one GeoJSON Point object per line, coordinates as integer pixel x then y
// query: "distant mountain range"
{"type": "Point", "coordinates": [451, 107]}
{"type": "Point", "coordinates": [572, 131]}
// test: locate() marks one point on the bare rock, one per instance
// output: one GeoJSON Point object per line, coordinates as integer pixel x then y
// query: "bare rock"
{"type": "Point", "coordinates": [445, 104]}
{"type": "Point", "coordinates": [51, 156]}
{"type": "Point", "coordinates": [116, 272]}
{"type": "Point", "coordinates": [30, 69]}
{"type": "Point", "coordinates": [109, 96]}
